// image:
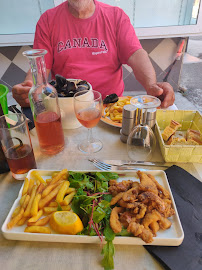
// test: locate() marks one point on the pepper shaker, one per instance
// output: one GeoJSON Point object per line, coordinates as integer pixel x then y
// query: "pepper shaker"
{"type": "Point", "coordinates": [127, 122]}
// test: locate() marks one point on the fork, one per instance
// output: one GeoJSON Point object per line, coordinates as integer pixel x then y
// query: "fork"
{"type": "Point", "coordinates": [107, 167]}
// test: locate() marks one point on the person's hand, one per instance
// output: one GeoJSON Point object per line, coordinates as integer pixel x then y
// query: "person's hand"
{"type": "Point", "coordinates": [164, 92]}
{"type": "Point", "coordinates": [20, 93]}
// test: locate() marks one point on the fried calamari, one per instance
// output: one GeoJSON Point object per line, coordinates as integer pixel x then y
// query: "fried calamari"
{"type": "Point", "coordinates": [142, 207]}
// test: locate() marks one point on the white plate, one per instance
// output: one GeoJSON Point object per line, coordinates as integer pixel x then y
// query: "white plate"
{"type": "Point", "coordinates": [171, 237]}
{"type": "Point", "coordinates": [107, 119]}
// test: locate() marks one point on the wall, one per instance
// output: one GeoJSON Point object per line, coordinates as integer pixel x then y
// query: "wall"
{"type": "Point", "coordinates": [162, 52]}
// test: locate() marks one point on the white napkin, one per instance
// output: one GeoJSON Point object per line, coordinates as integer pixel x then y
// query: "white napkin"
{"type": "Point", "coordinates": [172, 107]}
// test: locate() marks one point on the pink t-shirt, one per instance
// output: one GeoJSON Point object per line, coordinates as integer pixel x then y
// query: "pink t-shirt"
{"type": "Point", "coordinates": [92, 49]}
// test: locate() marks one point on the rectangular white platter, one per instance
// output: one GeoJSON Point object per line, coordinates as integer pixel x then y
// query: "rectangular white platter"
{"type": "Point", "coordinates": [171, 237]}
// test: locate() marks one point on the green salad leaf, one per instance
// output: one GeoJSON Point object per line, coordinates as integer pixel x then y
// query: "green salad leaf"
{"type": "Point", "coordinates": [59, 208]}
{"type": "Point", "coordinates": [92, 204]}
{"type": "Point", "coordinates": [108, 252]}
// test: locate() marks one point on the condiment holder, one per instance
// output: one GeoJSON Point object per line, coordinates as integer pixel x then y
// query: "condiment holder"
{"type": "Point", "coordinates": [142, 109]}
{"type": "Point", "coordinates": [141, 140]}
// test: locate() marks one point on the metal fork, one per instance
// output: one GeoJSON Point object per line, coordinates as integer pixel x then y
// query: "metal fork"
{"type": "Point", "coordinates": [107, 167]}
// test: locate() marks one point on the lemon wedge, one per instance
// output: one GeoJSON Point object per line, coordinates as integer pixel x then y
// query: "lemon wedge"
{"type": "Point", "coordinates": [66, 222]}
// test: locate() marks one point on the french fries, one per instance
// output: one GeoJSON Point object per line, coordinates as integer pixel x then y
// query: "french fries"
{"type": "Point", "coordinates": [62, 191]}
{"type": "Point", "coordinates": [49, 197]}
{"type": "Point", "coordinates": [69, 198]}
{"type": "Point", "coordinates": [26, 201]}
{"type": "Point", "coordinates": [49, 210]}
{"type": "Point", "coordinates": [70, 190]}
{"type": "Point", "coordinates": [35, 205]}
{"type": "Point", "coordinates": [21, 221]}
{"type": "Point", "coordinates": [40, 199]}
{"type": "Point", "coordinates": [40, 222]}
{"type": "Point", "coordinates": [37, 176]}
{"type": "Point", "coordinates": [48, 189]}
{"type": "Point", "coordinates": [114, 111]}
{"type": "Point", "coordinates": [15, 220]}
{"type": "Point", "coordinates": [26, 186]}
{"type": "Point", "coordinates": [37, 229]}
{"type": "Point", "coordinates": [16, 211]}
{"type": "Point", "coordinates": [27, 212]}
{"type": "Point", "coordinates": [31, 184]}
{"type": "Point", "coordinates": [22, 199]}
{"type": "Point", "coordinates": [59, 176]}
{"type": "Point", "coordinates": [36, 217]}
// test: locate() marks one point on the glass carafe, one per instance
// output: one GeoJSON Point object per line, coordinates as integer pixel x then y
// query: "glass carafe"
{"type": "Point", "coordinates": [44, 105]}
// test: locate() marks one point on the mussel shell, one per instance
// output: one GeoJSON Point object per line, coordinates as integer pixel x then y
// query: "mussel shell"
{"type": "Point", "coordinates": [82, 87]}
{"type": "Point", "coordinates": [61, 95]}
{"type": "Point", "coordinates": [53, 83]}
{"type": "Point", "coordinates": [60, 80]}
{"type": "Point", "coordinates": [82, 82]}
{"type": "Point", "coordinates": [112, 98]}
{"type": "Point", "coordinates": [71, 94]}
{"type": "Point", "coordinates": [70, 86]}
{"type": "Point", "coordinates": [67, 88]}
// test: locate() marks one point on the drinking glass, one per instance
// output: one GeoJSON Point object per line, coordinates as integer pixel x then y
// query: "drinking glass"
{"type": "Point", "coordinates": [88, 110]}
{"type": "Point", "coordinates": [141, 141]}
{"type": "Point", "coordinates": [16, 144]}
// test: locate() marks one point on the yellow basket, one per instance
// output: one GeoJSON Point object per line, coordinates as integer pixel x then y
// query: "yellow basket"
{"type": "Point", "coordinates": [179, 153]}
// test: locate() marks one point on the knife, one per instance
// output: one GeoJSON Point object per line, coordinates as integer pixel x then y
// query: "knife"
{"type": "Point", "coordinates": [128, 162]}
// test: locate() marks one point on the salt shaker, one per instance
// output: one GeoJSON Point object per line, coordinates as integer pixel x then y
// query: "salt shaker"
{"type": "Point", "coordinates": [150, 115]}
{"type": "Point", "coordinates": [127, 122]}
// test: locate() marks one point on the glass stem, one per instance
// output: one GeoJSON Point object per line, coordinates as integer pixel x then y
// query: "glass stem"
{"type": "Point", "coordinates": [90, 136]}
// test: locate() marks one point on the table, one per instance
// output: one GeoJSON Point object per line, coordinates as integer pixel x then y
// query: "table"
{"type": "Point", "coordinates": [40, 255]}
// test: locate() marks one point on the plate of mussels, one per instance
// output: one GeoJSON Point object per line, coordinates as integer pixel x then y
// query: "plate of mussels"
{"type": "Point", "coordinates": [66, 88]}
{"type": "Point", "coordinates": [69, 87]}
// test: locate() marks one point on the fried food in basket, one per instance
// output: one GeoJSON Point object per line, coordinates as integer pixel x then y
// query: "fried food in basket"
{"type": "Point", "coordinates": [143, 208]}
{"type": "Point", "coordinates": [194, 136]}
{"type": "Point", "coordinates": [170, 130]}
{"type": "Point", "coordinates": [176, 141]}
{"type": "Point", "coordinates": [167, 133]}
{"type": "Point", "coordinates": [40, 199]}
{"type": "Point", "coordinates": [174, 124]}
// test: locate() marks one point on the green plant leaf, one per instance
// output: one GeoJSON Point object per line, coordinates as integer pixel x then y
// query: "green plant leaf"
{"type": "Point", "coordinates": [59, 208]}
{"type": "Point", "coordinates": [98, 214]}
{"type": "Point", "coordinates": [108, 252]}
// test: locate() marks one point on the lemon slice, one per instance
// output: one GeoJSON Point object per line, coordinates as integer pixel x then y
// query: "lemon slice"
{"type": "Point", "coordinates": [66, 222]}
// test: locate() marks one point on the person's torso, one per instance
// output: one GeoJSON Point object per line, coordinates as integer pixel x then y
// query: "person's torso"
{"type": "Point", "coordinates": [87, 49]}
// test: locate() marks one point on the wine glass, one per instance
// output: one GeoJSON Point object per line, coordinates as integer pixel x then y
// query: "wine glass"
{"type": "Point", "coordinates": [141, 141]}
{"type": "Point", "coordinates": [88, 109]}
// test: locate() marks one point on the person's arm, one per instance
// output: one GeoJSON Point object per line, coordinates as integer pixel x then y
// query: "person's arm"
{"type": "Point", "coordinates": [20, 91]}
{"type": "Point", "coordinates": [142, 68]}
{"type": "Point", "coordinates": [146, 76]}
